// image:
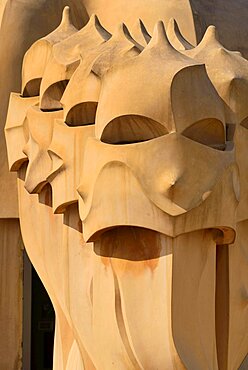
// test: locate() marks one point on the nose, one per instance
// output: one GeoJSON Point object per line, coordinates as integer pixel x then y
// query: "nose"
{"type": "Point", "coordinates": [169, 185]}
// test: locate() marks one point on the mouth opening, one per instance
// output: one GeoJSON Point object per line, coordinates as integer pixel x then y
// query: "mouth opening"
{"type": "Point", "coordinates": [130, 243]}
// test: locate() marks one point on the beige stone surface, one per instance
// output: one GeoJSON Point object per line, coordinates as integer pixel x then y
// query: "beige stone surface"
{"type": "Point", "coordinates": [2, 7]}
{"type": "Point", "coordinates": [193, 18]}
{"type": "Point", "coordinates": [132, 183]}
{"type": "Point", "coordinates": [229, 18]}
{"type": "Point", "coordinates": [23, 23]}
{"type": "Point", "coordinates": [11, 291]}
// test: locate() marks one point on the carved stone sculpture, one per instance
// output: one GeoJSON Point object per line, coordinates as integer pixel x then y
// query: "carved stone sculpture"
{"type": "Point", "coordinates": [133, 195]}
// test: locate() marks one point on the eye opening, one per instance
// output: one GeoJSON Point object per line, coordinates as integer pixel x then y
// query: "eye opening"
{"type": "Point", "coordinates": [209, 131]}
{"type": "Point", "coordinates": [129, 129]}
{"type": "Point", "coordinates": [32, 88]}
{"type": "Point", "coordinates": [82, 114]}
{"type": "Point", "coordinates": [51, 97]}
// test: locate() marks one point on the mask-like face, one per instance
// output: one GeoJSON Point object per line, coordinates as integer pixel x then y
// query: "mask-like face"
{"type": "Point", "coordinates": [150, 114]}
{"type": "Point", "coordinates": [140, 137]}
